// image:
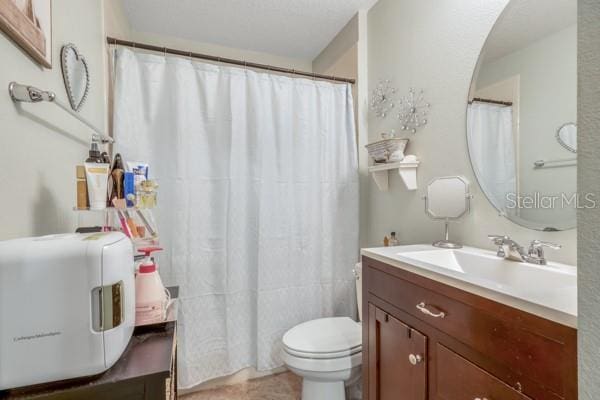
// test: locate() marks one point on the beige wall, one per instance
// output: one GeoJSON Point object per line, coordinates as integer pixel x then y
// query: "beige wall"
{"type": "Point", "coordinates": [346, 56]}
{"type": "Point", "coordinates": [115, 21]}
{"type": "Point", "coordinates": [222, 51]}
{"type": "Point", "coordinates": [435, 45]}
{"type": "Point", "coordinates": [588, 116]}
{"type": "Point", "coordinates": [41, 144]}
{"type": "Point", "coordinates": [337, 55]}
{"type": "Point", "coordinates": [118, 26]}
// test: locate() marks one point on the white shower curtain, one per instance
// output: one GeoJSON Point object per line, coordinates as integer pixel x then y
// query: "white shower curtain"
{"type": "Point", "coordinates": [258, 201]}
{"type": "Point", "coordinates": [492, 151]}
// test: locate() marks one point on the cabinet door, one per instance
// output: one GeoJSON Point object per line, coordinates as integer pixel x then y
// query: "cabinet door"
{"type": "Point", "coordinates": [397, 359]}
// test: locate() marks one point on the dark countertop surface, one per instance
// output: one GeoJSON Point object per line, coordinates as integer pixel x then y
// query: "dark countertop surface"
{"type": "Point", "coordinates": [149, 353]}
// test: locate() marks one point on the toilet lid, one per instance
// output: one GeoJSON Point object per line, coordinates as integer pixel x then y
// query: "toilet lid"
{"type": "Point", "coordinates": [324, 336]}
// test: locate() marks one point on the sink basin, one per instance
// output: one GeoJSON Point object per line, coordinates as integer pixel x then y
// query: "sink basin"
{"type": "Point", "coordinates": [498, 271]}
{"type": "Point", "coordinates": [546, 290]}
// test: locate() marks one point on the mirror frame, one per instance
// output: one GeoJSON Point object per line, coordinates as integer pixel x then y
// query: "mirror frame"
{"type": "Point", "coordinates": [67, 74]}
{"type": "Point", "coordinates": [468, 197]}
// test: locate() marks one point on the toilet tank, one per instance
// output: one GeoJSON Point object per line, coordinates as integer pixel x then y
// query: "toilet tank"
{"type": "Point", "coordinates": [358, 276]}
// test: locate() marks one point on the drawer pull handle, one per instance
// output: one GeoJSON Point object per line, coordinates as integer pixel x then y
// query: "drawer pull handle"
{"type": "Point", "coordinates": [415, 359]}
{"type": "Point", "coordinates": [423, 308]}
{"type": "Point", "coordinates": [481, 398]}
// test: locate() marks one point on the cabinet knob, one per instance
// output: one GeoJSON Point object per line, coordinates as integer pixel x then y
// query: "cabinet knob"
{"type": "Point", "coordinates": [415, 359]}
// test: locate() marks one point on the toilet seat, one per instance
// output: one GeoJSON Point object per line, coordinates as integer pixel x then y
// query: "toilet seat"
{"type": "Point", "coordinates": [323, 356]}
{"type": "Point", "coordinates": [322, 365]}
{"type": "Point", "coordinates": [324, 338]}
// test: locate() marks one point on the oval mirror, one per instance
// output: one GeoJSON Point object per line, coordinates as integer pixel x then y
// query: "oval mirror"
{"type": "Point", "coordinates": [524, 86]}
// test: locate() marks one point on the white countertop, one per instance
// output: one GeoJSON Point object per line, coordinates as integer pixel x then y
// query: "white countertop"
{"type": "Point", "coordinates": [557, 302]}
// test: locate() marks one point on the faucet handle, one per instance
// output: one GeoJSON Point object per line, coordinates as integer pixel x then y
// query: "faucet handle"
{"type": "Point", "coordinates": [536, 250]}
{"type": "Point", "coordinates": [498, 239]}
{"type": "Point", "coordinates": [537, 244]}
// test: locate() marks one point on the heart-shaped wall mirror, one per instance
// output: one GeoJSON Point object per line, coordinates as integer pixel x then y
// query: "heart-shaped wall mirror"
{"type": "Point", "coordinates": [566, 135]}
{"type": "Point", "coordinates": [75, 74]}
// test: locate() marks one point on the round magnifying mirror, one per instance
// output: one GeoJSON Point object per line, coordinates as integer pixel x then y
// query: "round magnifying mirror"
{"type": "Point", "coordinates": [523, 88]}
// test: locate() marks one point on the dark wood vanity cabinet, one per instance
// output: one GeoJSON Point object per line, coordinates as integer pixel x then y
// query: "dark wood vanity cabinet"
{"type": "Point", "coordinates": [426, 340]}
{"type": "Point", "coordinates": [399, 352]}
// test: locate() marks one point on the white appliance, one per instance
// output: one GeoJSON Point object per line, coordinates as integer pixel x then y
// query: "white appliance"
{"type": "Point", "coordinates": [67, 306]}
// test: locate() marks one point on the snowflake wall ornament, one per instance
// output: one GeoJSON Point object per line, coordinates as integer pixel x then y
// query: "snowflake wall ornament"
{"type": "Point", "coordinates": [413, 111]}
{"type": "Point", "coordinates": [382, 98]}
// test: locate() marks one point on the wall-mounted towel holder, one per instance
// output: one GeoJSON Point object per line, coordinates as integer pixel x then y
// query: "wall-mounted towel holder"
{"type": "Point", "coordinates": [562, 162]}
{"type": "Point", "coordinates": [30, 94]}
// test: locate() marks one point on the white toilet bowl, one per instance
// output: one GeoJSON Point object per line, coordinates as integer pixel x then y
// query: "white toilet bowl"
{"type": "Point", "coordinates": [327, 354]}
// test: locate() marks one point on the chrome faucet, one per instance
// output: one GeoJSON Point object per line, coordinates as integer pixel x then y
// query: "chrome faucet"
{"type": "Point", "coordinates": [511, 250]}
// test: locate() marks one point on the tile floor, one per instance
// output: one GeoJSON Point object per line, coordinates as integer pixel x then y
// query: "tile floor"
{"type": "Point", "coordinates": [284, 386]}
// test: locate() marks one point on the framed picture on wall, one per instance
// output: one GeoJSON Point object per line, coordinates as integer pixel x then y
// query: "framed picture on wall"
{"type": "Point", "coordinates": [29, 24]}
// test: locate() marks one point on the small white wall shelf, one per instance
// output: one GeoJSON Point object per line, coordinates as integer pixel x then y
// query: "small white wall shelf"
{"type": "Point", "coordinates": [407, 169]}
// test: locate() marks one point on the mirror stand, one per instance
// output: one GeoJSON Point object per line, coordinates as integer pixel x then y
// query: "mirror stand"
{"type": "Point", "coordinates": [446, 243]}
{"type": "Point", "coordinates": [447, 199]}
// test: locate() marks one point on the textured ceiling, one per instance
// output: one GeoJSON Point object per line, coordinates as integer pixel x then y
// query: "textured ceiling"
{"type": "Point", "coordinates": [524, 22]}
{"type": "Point", "coordinates": [291, 28]}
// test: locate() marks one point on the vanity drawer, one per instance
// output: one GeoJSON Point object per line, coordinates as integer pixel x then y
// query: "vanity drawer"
{"type": "Point", "coordinates": [459, 379]}
{"type": "Point", "coordinates": [520, 347]}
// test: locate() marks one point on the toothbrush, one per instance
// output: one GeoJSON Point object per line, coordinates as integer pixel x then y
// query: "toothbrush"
{"type": "Point", "coordinates": [124, 225]}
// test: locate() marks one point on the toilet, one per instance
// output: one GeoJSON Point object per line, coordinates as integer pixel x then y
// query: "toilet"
{"type": "Point", "coordinates": [326, 353]}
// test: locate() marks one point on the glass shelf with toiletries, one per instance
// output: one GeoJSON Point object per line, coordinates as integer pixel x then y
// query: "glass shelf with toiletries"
{"type": "Point", "coordinates": [108, 209]}
{"type": "Point", "coordinates": [136, 223]}
{"type": "Point", "coordinates": [116, 196]}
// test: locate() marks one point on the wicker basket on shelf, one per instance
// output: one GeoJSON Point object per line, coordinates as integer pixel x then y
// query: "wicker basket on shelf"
{"type": "Point", "coordinates": [387, 150]}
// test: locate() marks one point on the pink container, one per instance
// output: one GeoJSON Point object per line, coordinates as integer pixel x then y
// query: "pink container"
{"type": "Point", "coordinates": [151, 297]}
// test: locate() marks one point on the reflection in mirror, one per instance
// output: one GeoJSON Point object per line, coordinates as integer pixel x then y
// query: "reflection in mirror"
{"type": "Point", "coordinates": [567, 136]}
{"type": "Point", "coordinates": [524, 86]}
{"type": "Point", "coordinates": [447, 199]}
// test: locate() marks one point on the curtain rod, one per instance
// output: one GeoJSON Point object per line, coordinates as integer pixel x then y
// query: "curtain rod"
{"type": "Point", "coordinates": [248, 64]}
{"type": "Point", "coordinates": [480, 100]}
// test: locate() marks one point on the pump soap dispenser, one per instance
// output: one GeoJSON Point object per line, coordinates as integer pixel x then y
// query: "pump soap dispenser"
{"type": "Point", "coordinates": [151, 297]}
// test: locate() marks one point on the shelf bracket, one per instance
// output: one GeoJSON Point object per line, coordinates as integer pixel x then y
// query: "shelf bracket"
{"type": "Point", "coordinates": [407, 169]}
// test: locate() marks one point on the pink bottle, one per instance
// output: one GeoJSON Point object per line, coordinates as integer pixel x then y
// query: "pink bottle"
{"type": "Point", "coordinates": [151, 297]}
